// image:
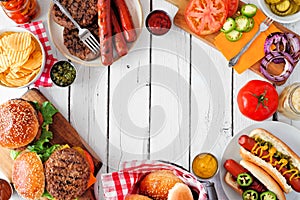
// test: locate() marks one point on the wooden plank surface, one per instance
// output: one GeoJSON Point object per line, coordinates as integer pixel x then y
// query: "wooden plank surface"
{"type": "Point", "coordinates": [209, 39]}
{"type": "Point", "coordinates": [63, 133]}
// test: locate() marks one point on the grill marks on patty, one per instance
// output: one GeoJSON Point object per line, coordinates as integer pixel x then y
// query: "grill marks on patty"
{"type": "Point", "coordinates": [84, 12]}
{"type": "Point", "coordinates": [76, 46]}
{"type": "Point", "coordinates": [67, 174]}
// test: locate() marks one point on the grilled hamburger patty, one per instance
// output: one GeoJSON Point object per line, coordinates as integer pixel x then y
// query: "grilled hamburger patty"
{"type": "Point", "coordinates": [84, 12]}
{"type": "Point", "coordinates": [75, 46]}
{"type": "Point", "coordinates": [67, 174]}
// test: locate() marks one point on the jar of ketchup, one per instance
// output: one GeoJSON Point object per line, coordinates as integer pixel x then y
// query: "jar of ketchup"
{"type": "Point", "coordinates": [158, 22]}
{"type": "Point", "coordinates": [21, 11]}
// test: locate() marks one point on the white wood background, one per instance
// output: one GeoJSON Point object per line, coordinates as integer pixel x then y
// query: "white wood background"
{"type": "Point", "coordinates": [171, 98]}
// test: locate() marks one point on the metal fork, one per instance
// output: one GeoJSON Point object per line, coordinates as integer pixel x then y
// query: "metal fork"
{"type": "Point", "coordinates": [262, 27]}
{"type": "Point", "coordinates": [84, 34]}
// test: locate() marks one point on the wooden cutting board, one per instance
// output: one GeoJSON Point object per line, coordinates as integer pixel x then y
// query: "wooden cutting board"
{"type": "Point", "coordinates": [63, 133]}
{"type": "Point", "coordinates": [209, 39]}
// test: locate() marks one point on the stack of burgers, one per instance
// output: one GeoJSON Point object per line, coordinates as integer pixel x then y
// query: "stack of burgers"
{"type": "Point", "coordinates": [41, 169]}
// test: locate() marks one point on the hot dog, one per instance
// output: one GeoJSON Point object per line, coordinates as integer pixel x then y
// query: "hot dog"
{"type": "Point", "coordinates": [126, 20]}
{"type": "Point", "coordinates": [118, 38]}
{"type": "Point", "coordinates": [251, 181]}
{"type": "Point", "coordinates": [274, 156]}
{"type": "Point", "coordinates": [105, 31]}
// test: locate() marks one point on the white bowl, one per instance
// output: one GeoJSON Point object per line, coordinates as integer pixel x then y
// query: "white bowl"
{"type": "Point", "coordinates": [281, 19]}
{"type": "Point", "coordinates": [19, 29]}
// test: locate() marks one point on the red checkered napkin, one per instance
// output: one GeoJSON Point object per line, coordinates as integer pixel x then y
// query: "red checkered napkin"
{"type": "Point", "coordinates": [117, 185]}
{"type": "Point", "coordinates": [38, 29]}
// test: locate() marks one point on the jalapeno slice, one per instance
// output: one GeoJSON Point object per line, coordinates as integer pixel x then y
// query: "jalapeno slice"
{"type": "Point", "coordinates": [250, 195]}
{"type": "Point", "coordinates": [233, 35]}
{"type": "Point", "coordinates": [244, 179]}
{"type": "Point", "coordinates": [249, 10]}
{"type": "Point", "coordinates": [268, 195]}
{"type": "Point", "coordinates": [228, 26]}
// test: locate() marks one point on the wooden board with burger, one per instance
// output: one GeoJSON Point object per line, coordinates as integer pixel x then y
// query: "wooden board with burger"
{"type": "Point", "coordinates": [214, 37]}
{"type": "Point", "coordinates": [66, 142]}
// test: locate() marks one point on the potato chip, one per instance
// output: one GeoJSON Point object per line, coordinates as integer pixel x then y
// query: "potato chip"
{"type": "Point", "coordinates": [20, 58]}
{"type": "Point", "coordinates": [18, 41]}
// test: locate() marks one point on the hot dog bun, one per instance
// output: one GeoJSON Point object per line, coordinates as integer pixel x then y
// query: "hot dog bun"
{"type": "Point", "coordinates": [281, 147]}
{"type": "Point", "coordinates": [264, 178]}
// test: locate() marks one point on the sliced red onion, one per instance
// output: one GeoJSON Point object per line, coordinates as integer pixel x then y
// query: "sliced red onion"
{"type": "Point", "coordinates": [269, 58]}
{"type": "Point", "coordinates": [281, 43]}
{"type": "Point", "coordinates": [294, 46]}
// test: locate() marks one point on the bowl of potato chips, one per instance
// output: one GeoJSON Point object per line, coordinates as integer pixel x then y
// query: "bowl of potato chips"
{"type": "Point", "coordinates": [22, 57]}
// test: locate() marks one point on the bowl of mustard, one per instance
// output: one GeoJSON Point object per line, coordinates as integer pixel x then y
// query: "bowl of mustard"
{"type": "Point", "coordinates": [205, 165]}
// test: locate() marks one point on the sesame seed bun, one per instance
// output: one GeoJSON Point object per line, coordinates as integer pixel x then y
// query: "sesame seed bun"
{"type": "Point", "coordinates": [28, 176]}
{"type": "Point", "coordinates": [19, 123]}
{"type": "Point", "coordinates": [157, 184]}
{"type": "Point", "coordinates": [136, 197]}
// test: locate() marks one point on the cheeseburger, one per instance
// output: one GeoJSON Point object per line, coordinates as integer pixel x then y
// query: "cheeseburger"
{"type": "Point", "coordinates": [19, 124]}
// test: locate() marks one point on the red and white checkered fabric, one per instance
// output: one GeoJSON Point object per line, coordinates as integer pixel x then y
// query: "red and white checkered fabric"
{"type": "Point", "coordinates": [38, 29]}
{"type": "Point", "coordinates": [117, 185]}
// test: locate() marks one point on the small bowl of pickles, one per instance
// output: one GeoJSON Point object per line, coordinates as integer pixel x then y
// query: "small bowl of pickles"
{"type": "Point", "coordinates": [282, 11]}
{"type": "Point", "coordinates": [63, 73]}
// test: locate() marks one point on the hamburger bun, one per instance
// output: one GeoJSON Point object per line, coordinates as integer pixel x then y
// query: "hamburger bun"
{"type": "Point", "coordinates": [19, 124]}
{"type": "Point", "coordinates": [157, 184]}
{"type": "Point", "coordinates": [264, 178]}
{"type": "Point", "coordinates": [180, 191]}
{"type": "Point", "coordinates": [136, 197]}
{"type": "Point", "coordinates": [66, 166]}
{"type": "Point", "coordinates": [28, 176]}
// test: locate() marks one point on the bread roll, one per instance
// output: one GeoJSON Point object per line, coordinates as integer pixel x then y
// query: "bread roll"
{"type": "Point", "coordinates": [157, 184]}
{"type": "Point", "coordinates": [28, 176]}
{"type": "Point", "coordinates": [136, 197]}
{"type": "Point", "coordinates": [19, 123]}
{"type": "Point", "coordinates": [180, 191]}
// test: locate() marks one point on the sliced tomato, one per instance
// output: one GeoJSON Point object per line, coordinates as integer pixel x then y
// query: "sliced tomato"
{"type": "Point", "coordinates": [206, 16]}
{"type": "Point", "coordinates": [233, 6]}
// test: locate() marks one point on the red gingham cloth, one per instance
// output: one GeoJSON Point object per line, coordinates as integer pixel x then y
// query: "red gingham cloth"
{"type": "Point", "coordinates": [117, 185]}
{"type": "Point", "coordinates": [38, 29]}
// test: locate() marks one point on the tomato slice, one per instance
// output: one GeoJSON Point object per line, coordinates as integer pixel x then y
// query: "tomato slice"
{"type": "Point", "coordinates": [232, 7]}
{"type": "Point", "coordinates": [206, 16]}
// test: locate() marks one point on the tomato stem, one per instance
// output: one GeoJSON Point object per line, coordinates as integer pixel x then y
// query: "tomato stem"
{"type": "Point", "coordinates": [262, 100]}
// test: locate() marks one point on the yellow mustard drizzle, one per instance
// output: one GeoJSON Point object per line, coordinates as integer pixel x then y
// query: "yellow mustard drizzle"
{"type": "Point", "coordinates": [294, 173]}
{"type": "Point", "coordinates": [258, 150]}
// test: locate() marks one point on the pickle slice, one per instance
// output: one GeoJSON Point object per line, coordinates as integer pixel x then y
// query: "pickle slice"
{"type": "Point", "coordinates": [277, 12]}
{"type": "Point", "coordinates": [297, 2]}
{"type": "Point", "coordinates": [283, 6]}
{"type": "Point", "coordinates": [273, 1]}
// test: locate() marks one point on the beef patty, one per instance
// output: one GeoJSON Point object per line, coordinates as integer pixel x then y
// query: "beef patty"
{"type": "Point", "coordinates": [75, 46]}
{"type": "Point", "coordinates": [67, 174]}
{"type": "Point", "coordinates": [84, 12]}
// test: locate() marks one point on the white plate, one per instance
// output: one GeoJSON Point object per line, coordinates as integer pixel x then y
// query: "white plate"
{"type": "Point", "coordinates": [19, 29]}
{"type": "Point", "coordinates": [287, 133]}
{"type": "Point", "coordinates": [56, 33]}
{"type": "Point", "coordinates": [281, 19]}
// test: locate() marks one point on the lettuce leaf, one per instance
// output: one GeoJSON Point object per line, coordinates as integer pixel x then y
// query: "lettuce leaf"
{"type": "Point", "coordinates": [43, 147]}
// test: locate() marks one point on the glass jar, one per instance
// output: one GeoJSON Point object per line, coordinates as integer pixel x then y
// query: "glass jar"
{"type": "Point", "coordinates": [289, 101]}
{"type": "Point", "coordinates": [21, 11]}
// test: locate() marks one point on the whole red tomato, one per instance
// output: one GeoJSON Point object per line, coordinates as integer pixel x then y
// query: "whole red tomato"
{"type": "Point", "coordinates": [258, 100]}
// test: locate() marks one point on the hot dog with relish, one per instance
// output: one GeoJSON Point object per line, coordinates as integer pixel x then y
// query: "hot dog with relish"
{"type": "Point", "coordinates": [274, 156]}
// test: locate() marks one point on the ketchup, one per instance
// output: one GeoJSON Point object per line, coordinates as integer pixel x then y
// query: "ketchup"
{"type": "Point", "coordinates": [5, 190]}
{"type": "Point", "coordinates": [158, 22]}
